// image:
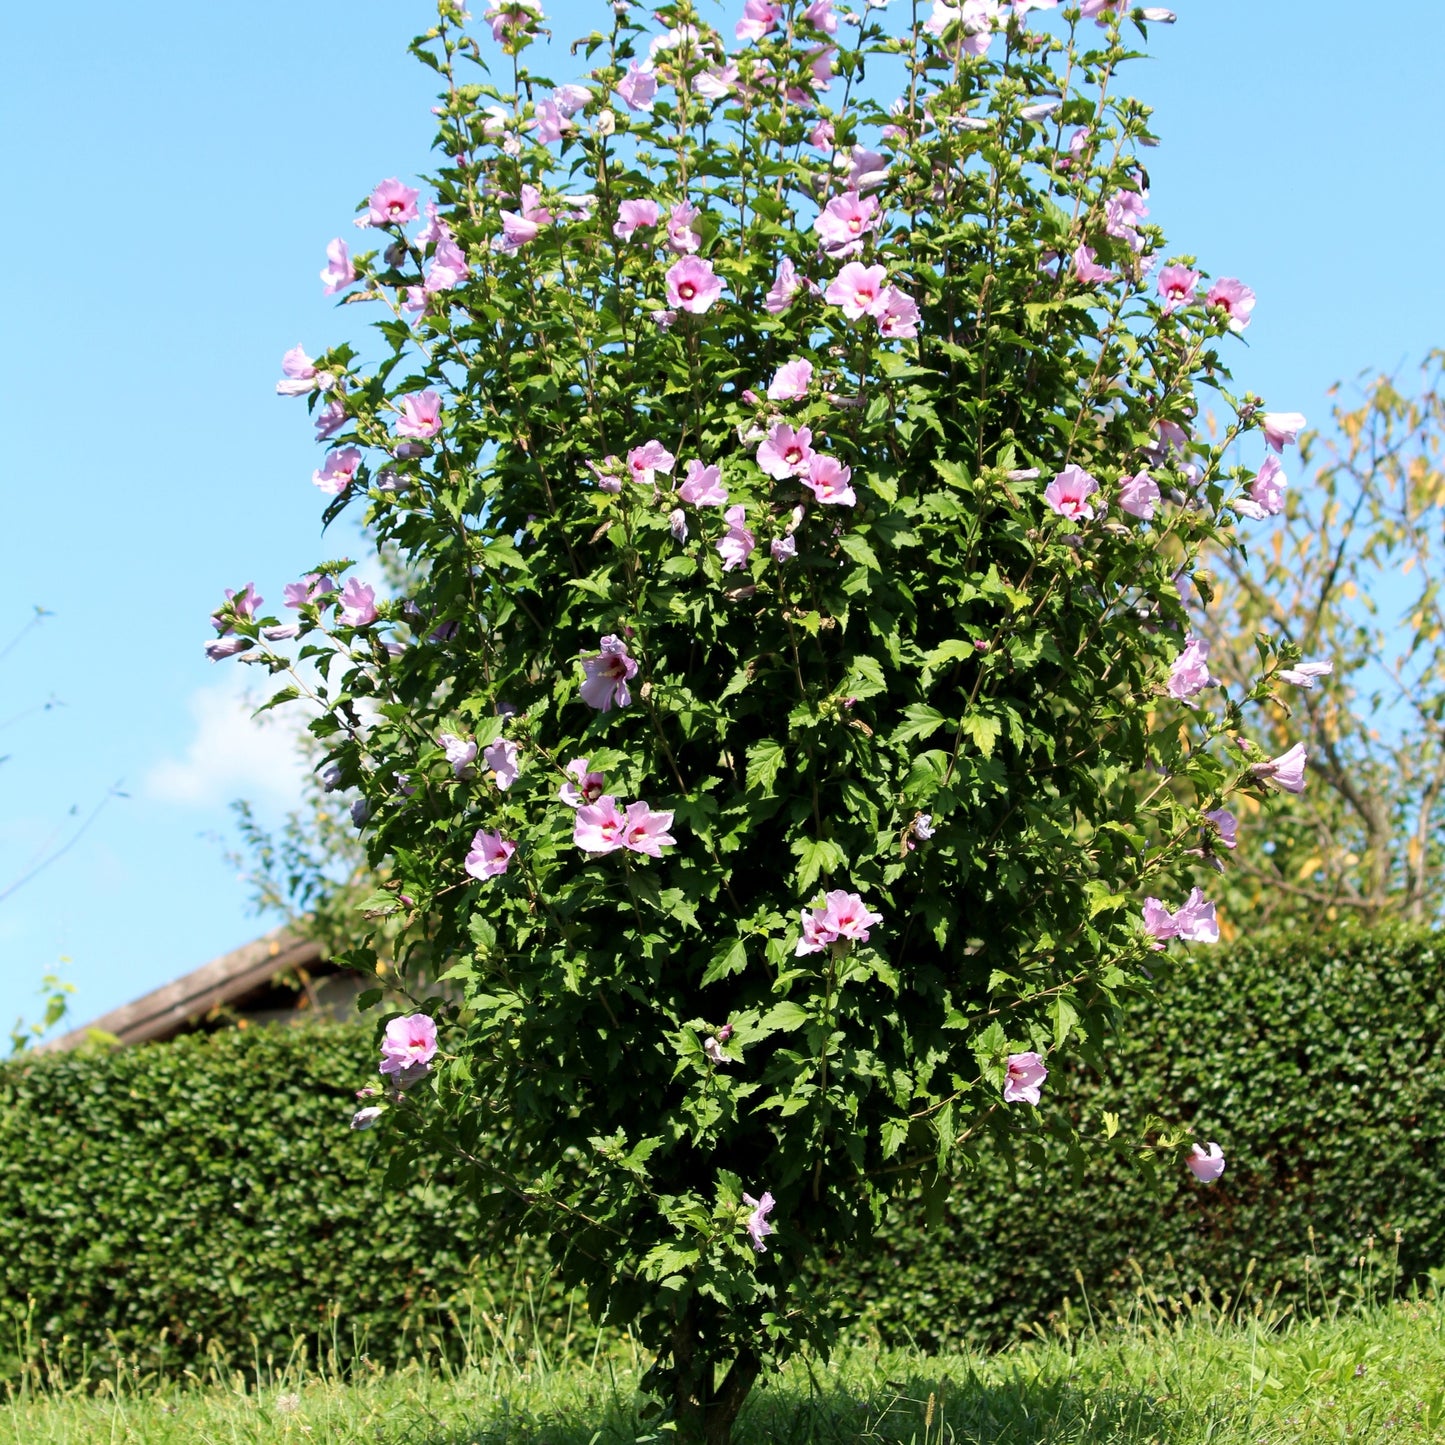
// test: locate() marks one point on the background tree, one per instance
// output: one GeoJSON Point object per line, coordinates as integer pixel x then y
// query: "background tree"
{"type": "Point", "coordinates": [1351, 575]}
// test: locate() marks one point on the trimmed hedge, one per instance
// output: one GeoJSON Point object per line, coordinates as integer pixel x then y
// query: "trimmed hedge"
{"type": "Point", "coordinates": [209, 1191]}
{"type": "Point", "coordinates": [1317, 1063]}
{"type": "Point", "coordinates": [158, 1199]}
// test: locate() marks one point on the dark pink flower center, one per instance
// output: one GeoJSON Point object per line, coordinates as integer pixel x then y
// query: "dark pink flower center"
{"type": "Point", "coordinates": [686, 290]}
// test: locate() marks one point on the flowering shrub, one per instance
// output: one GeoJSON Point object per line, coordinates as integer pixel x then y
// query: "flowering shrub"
{"type": "Point", "coordinates": [795, 698]}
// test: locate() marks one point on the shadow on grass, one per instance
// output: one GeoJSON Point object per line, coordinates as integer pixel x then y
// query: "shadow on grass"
{"type": "Point", "coordinates": [950, 1406]}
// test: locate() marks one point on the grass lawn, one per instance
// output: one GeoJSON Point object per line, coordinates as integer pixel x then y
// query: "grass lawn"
{"type": "Point", "coordinates": [1376, 1374]}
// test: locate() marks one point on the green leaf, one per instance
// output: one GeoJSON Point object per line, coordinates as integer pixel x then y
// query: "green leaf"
{"type": "Point", "coordinates": [892, 1135]}
{"type": "Point", "coordinates": [956, 649]}
{"type": "Point", "coordinates": [953, 474]}
{"type": "Point", "coordinates": [884, 486]}
{"type": "Point", "coordinates": [919, 721]}
{"type": "Point", "coordinates": [783, 1018]}
{"type": "Point", "coordinates": [926, 776]}
{"type": "Point", "coordinates": [501, 552]}
{"type": "Point", "coordinates": [1065, 1016]}
{"type": "Point", "coordinates": [665, 1260]}
{"type": "Point", "coordinates": [765, 761]}
{"type": "Point", "coordinates": [283, 695]}
{"type": "Point", "coordinates": [945, 1129]}
{"type": "Point", "coordinates": [859, 550]}
{"type": "Point", "coordinates": [1101, 899]}
{"type": "Point", "coordinates": [731, 957]}
{"type": "Point", "coordinates": [596, 586]}
{"type": "Point", "coordinates": [816, 857]}
{"type": "Point", "coordinates": [988, 1047]}
{"type": "Point", "coordinates": [983, 729]}
{"type": "Point", "coordinates": [899, 368]}
{"type": "Point", "coordinates": [379, 904]}
{"type": "Point", "coordinates": [865, 678]}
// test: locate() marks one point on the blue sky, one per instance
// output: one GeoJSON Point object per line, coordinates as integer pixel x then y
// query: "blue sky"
{"type": "Point", "coordinates": [177, 170]}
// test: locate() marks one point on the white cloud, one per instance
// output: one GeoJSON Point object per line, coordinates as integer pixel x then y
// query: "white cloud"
{"type": "Point", "coordinates": [233, 755]}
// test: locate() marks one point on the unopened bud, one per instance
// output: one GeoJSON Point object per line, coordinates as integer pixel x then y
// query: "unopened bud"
{"type": "Point", "coordinates": [606, 122]}
{"type": "Point", "coordinates": [1158, 14]}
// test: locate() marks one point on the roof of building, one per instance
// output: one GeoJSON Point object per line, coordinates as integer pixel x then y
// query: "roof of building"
{"type": "Point", "coordinates": [186, 1002]}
